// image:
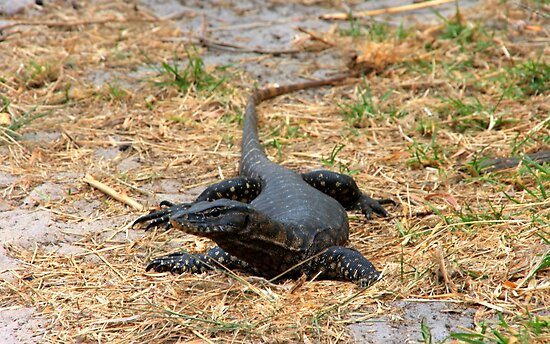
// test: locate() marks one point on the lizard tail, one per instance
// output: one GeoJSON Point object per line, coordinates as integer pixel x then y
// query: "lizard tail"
{"type": "Point", "coordinates": [251, 148]}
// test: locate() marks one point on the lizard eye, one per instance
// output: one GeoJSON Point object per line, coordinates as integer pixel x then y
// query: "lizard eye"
{"type": "Point", "coordinates": [214, 212]}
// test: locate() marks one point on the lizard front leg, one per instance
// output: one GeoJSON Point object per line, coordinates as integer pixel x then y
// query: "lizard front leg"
{"type": "Point", "coordinates": [242, 189]}
{"type": "Point", "coordinates": [343, 188]}
{"type": "Point", "coordinates": [181, 262]}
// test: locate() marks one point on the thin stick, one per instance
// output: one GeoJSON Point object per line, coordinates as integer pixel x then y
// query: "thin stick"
{"type": "Point", "coordinates": [232, 47]}
{"type": "Point", "coordinates": [316, 37]}
{"type": "Point", "coordinates": [443, 268]}
{"type": "Point", "coordinates": [111, 192]}
{"type": "Point", "coordinates": [213, 44]}
{"type": "Point", "coordinates": [398, 9]}
{"type": "Point", "coordinates": [73, 23]}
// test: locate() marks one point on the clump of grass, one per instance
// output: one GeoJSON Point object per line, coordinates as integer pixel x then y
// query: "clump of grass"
{"type": "Point", "coordinates": [374, 30]}
{"type": "Point", "coordinates": [426, 126]}
{"type": "Point", "coordinates": [457, 29]}
{"type": "Point", "coordinates": [116, 92]}
{"type": "Point", "coordinates": [276, 143]}
{"type": "Point", "coordinates": [426, 331]}
{"type": "Point", "coordinates": [531, 139]}
{"type": "Point", "coordinates": [4, 103]}
{"type": "Point", "coordinates": [356, 113]}
{"type": "Point", "coordinates": [234, 116]}
{"type": "Point", "coordinates": [521, 329]}
{"type": "Point", "coordinates": [19, 122]}
{"type": "Point", "coordinates": [472, 114]}
{"type": "Point", "coordinates": [283, 131]}
{"type": "Point", "coordinates": [379, 31]}
{"type": "Point", "coordinates": [469, 215]}
{"type": "Point", "coordinates": [540, 174]}
{"type": "Point", "coordinates": [356, 29]}
{"type": "Point", "coordinates": [402, 33]}
{"type": "Point", "coordinates": [193, 76]}
{"type": "Point", "coordinates": [35, 74]}
{"type": "Point", "coordinates": [331, 161]}
{"type": "Point", "coordinates": [531, 78]}
{"type": "Point", "coordinates": [429, 154]}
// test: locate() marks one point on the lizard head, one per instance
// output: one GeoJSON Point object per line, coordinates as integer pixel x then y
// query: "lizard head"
{"type": "Point", "coordinates": [212, 219]}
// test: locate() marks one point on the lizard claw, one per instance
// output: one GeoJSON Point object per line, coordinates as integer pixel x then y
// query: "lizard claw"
{"type": "Point", "coordinates": [177, 263]}
{"type": "Point", "coordinates": [367, 282]}
{"type": "Point", "coordinates": [162, 216]}
{"type": "Point", "coordinates": [370, 205]}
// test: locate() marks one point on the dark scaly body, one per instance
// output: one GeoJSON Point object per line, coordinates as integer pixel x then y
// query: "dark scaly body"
{"type": "Point", "coordinates": [282, 219]}
{"type": "Point", "coordinates": [311, 220]}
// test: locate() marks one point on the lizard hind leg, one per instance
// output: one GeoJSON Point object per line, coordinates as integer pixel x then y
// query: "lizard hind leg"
{"type": "Point", "coordinates": [344, 264]}
{"type": "Point", "coordinates": [343, 188]}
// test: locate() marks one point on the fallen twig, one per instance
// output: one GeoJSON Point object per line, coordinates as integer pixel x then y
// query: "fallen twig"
{"type": "Point", "coordinates": [111, 192]}
{"type": "Point", "coordinates": [73, 23]}
{"type": "Point", "coordinates": [316, 37]}
{"type": "Point", "coordinates": [397, 9]}
{"type": "Point", "coordinates": [232, 47]}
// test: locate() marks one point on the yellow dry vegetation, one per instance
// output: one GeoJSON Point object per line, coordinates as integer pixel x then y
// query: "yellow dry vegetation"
{"type": "Point", "coordinates": [434, 108]}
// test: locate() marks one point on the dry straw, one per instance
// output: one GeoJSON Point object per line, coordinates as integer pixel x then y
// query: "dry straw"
{"type": "Point", "coordinates": [454, 236]}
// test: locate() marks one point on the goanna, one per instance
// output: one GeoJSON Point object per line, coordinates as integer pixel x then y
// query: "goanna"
{"type": "Point", "coordinates": [269, 220]}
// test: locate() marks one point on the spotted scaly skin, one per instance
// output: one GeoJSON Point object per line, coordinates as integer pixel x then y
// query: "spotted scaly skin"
{"type": "Point", "coordinates": [271, 221]}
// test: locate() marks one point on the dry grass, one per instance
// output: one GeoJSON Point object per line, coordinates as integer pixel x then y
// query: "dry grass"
{"type": "Point", "coordinates": [455, 235]}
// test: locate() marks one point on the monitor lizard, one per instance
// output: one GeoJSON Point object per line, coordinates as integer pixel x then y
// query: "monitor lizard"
{"type": "Point", "coordinates": [270, 220]}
